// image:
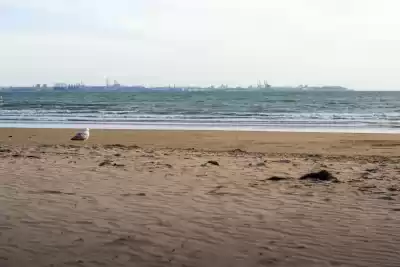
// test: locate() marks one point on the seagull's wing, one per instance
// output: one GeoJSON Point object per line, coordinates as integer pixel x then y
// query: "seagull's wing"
{"type": "Point", "coordinates": [79, 136]}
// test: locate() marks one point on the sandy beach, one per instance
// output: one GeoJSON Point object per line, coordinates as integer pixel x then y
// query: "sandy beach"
{"type": "Point", "coordinates": [192, 198]}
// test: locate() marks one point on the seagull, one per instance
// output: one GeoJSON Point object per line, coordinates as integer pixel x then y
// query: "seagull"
{"type": "Point", "coordinates": [81, 136]}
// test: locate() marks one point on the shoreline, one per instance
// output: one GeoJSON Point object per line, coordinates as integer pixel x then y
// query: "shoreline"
{"type": "Point", "coordinates": [171, 127]}
{"type": "Point", "coordinates": [262, 142]}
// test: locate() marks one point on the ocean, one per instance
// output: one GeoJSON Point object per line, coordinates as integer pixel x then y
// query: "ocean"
{"type": "Point", "coordinates": [348, 111]}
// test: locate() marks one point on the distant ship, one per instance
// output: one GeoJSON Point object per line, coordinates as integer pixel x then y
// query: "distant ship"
{"type": "Point", "coordinates": [68, 87]}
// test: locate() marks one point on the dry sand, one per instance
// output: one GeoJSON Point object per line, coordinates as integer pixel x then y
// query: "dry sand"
{"type": "Point", "coordinates": [148, 198]}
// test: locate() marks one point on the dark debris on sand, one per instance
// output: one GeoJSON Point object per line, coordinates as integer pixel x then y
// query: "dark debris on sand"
{"type": "Point", "coordinates": [390, 198]}
{"type": "Point", "coordinates": [394, 188]}
{"type": "Point", "coordinates": [259, 164]}
{"type": "Point", "coordinates": [277, 178]}
{"type": "Point", "coordinates": [129, 194]}
{"type": "Point", "coordinates": [108, 162]}
{"type": "Point", "coordinates": [321, 176]}
{"type": "Point", "coordinates": [33, 157]}
{"type": "Point", "coordinates": [212, 162]}
{"type": "Point", "coordinates": [118, 165]}
{"type": "Point", "coordinates": [52, 192]}
{"type": "Point", "coordinates": [5, 150]}
{"type": "Point", "coordinates": [282, 161]}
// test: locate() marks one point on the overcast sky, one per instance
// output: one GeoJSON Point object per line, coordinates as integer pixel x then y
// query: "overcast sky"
{"type": "Point", "coordinates": [354, 43]}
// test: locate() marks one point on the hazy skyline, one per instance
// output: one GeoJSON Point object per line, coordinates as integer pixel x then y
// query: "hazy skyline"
{"type": "Point", "coordinates": [353, 43]}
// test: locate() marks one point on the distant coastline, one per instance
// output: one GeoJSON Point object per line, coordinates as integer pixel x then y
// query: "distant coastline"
{"type": "Point", "coordinates": [132, 88]}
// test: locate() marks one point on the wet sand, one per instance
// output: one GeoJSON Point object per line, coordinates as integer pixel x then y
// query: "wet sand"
{"type": "Point", "coordinates": [159, 198]}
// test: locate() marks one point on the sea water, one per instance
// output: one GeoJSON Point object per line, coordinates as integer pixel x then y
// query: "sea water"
{"type": "Point", "coordinates": [257, 110]}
